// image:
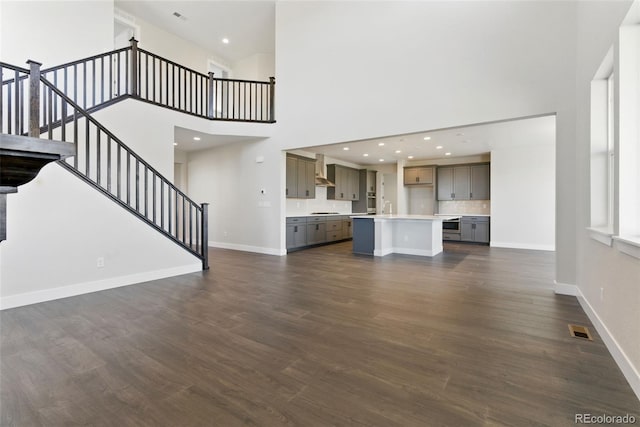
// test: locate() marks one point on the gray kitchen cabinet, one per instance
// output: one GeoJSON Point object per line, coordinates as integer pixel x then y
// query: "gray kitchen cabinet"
{"type": "Point", "coordinates": [334, 230]}
{"type": "Point", "coordinates": [445, 183]}
{"type": "Point", "coordinates": [480, 182]}
{"type": "Point", "coordinates": [296, 232]}
{"type": "Point", "coordinates": [347, 183]}
{"type": "Point", "coordinates": [474, 229]}
{"type": "Point", "coordinates": [418, 175]}
{"type": "Point", "coordinates": [463, 182]}
{"type": "Point", "coordinates": [371, 181]}
{"type": "Point", "coordinates": [316, 232]}
{"type": "Point", "coordinates": [292, 177]}
{"type": "Point", "coordinates": [301, 177]}
{"type": "Point", "coordinates": [347, 228]}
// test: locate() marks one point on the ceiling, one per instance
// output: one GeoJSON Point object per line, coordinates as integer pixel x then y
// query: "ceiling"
{"type": "Point", "coordinates": [459, 142]}
{"type": "Point", "coordinates": [249, 25]}
{"type": "Point", "coordinates": [184, 138]}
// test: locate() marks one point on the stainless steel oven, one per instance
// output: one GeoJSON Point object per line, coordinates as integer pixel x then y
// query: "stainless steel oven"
{"type": "Point", "coordinates": [451, 226]}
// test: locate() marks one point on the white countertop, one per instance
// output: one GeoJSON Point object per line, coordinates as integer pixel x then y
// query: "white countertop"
{"type": "Point", "coordinates": [332, 214]}
{"type": "Point", "coordinates": [408, 217]}
{"type": "Point", "coordinates": [465, 214]}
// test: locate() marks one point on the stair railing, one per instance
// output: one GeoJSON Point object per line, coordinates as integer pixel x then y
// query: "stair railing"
{"type": "Point", "coordinates": [102, 160]}
{"type": "Point", "coordinates": [130, 72]}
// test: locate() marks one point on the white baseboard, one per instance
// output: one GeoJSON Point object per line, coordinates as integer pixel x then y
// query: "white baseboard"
{"type": "Point", "coordinates": [565, 289]}
{"type": "Point", "coordinates": [509, 245]}
{"type": "Point", "coordinates": [247, 248]}
{"type": "Point", "coordinates": [35, 297]}
{"type": "Point", "coordinates": [628, 370]}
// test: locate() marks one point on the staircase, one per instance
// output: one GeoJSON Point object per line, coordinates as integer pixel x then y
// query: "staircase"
{"type": "Point", "coordinates": [46, 115]}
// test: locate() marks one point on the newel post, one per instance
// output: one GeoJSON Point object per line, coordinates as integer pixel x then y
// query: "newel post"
{"type": "Point", "coordinates": [134, 67]}
{"type": "Point", "coordinates": [272, 99]}
{"type": "Point", "coordinates": [210, 93]}
{"type": "Point", "coordinates": [34, 98]}
{"type": "Point", "coordinates": [204, 239]}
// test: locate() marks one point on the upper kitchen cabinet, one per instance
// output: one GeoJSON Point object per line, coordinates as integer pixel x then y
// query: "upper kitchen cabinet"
{"type": "Point", "coordinates": [480, 182]}
{"type": "Point", "coordinates": [464, 182]}
{"type": "Point", "coordinates": [347, 183]}
{"type": "Point", "coordinates": [418, 175]}
{"type": "Point", "coordinates": [301, 177]}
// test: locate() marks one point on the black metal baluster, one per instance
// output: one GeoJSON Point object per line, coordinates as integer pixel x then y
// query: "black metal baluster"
{"type": "Point", "coordinates": [250, 100]}
{"type": "Point", "coordinates": [110, 76]}
{"type": "Point", "coordinates": [169, 207]}
{"type": "Point", "coordinates": [108, 163]}
{"type": "Point", "coordinates": [75, 83]}
{"type": "Point", "coordinates": [2, 103]}
{"type": "Point", "coordinates": [55, 97]}
{"type": "Point", "coordinates": [173, 87]}
{"type": "Point", "coordinates": [119, 172]}
{"type": "Point", "coordinates": [128, 178]}
{"type": "Point", "coordinates": [190, 225]}
{"type": "Point", "coordinates": [50, 112]}
{"type": "Point", "coordinates": [75, 137]}
{"type": "Point", "coordinates": [137, 185]}
{"type": "Point", "coordinates": [118, 75]}
{"type": "Point", "coordinates": [21, 112]}
{"type": "Point", "coordinates": [93, 82]}
{"type": "Point", "coordinates": [146, 75]}
{"type": "Point", "coordinates": [184, 222]}
{"type": "Point", "coordinates": [161, 203]}
{"type": "Point", "coordinates": [176, 223]}
{"type": "Point", "coordinates": [63, 119]}
{"type": "Point", "coordinates": [98, 155]}
{"type": "Point", "coordinates": [86, 144]}
{"type": "Point", "coordinates": [102, 79]}
{"type": "Point", "coordinates": [17, 101]}
{"type": "Point", "coordinates": [153, 74]}
{"type": "Point", "coordinates": [197, 226]}
{"type": "Point", "coordinates": [9, 109]}
{"type": "Point", "coordinates": [167, 83]}
{"type": "Point", "coordinates": [126, 73]}
{"type": "Point", "coordinates": [153, 197]}
{"type": "Point", "coordinates": [65, 76]}
{"type": "Point", "coordinates": [84, 85]}
{"type": "Point", "coordinates": [146, 191]}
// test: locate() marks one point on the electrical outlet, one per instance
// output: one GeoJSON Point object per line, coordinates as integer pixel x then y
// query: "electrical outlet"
{"type": "Point", "coordinates": [100, 262]}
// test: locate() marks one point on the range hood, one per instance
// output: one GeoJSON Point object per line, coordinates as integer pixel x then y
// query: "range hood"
{"type": "Point", "coordinates": [321, 179]}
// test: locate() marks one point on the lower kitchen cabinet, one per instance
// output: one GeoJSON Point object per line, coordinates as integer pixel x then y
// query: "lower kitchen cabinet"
{"type": "Point", "coordinates": [474, 229]}
{"type": "Point", "coordinates": [315, 230]}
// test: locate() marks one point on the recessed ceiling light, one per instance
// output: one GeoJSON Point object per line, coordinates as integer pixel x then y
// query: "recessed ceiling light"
{"type": "Point", "coordinates": [382, 160]}
{"type": "Point", "coordinates": [365, 155]}
{"type": "Point", "coordinates": [196, 138]}
{"type": "Point", "coordinates": [439, 147]}
{"type": "Point", "coordinates": [409, 157]}
{"type": "Point", "coordinates": [398, 151]}
{"type": "Point", "coordinates": [380, 144]}
{"type": "Point", "coordinates": [459, 134]}
{"type": "Point", "coordinates": [345, 148]}
{"type": "Point", "coordinates": [225, 40]}
{"type": "Point", "coordinates": [447, 154]}
{"type": "Point", "coordinates": [427, 138]}
{"type": "Point", "coordinates": [175, 143]}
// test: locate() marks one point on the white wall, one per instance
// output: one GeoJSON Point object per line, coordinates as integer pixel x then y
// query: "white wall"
{"type": "Point", "coordinates": [452, 63]}
{"type": "Point", "coordinates": [230, 178]}
{"type": "Point", "coordinates": [57, 228]}
{"type": "Point", "coordinates": [260, 66]}
{"type": "Point", "coordinates": [523, 197]}
{"type": "Point", "coordinates": [608, 280]}
{"type": "Point", "coordinates": [174, 48]}
{"type": "Point", "coordinates": [54, 32]}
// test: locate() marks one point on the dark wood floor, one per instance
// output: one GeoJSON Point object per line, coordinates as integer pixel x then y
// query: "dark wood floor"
{"type": "Point", "coordinates": [474, 336]}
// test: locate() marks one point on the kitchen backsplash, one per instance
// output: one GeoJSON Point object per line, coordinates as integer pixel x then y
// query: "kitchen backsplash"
{"type": "Point", "coordinates": [319, 204]}
{"type": "Point", "coordinates": [465, 207]}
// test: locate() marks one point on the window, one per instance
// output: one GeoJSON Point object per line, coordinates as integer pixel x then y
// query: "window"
{"type": "Point", "coordinates": [603, 156]}
{"type": "Point", "coordinates": [629, 138]}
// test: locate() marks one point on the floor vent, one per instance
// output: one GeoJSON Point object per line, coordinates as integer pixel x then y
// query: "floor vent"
{"type": "Point", "coordinates": [580, 332]}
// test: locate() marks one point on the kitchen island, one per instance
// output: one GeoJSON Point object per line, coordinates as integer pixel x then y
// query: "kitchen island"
{"type": "Point", "coordinates": [380, 235]}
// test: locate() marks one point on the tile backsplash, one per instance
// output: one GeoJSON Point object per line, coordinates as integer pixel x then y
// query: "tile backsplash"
{"type": "Point", "coordinates": [465, 207]}
{"type": "Point", "coordinates": [319, 204]}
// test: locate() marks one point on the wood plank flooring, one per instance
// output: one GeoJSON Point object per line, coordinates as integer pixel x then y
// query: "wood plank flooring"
{"type": "Point", "coordinates": [472, 337]}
